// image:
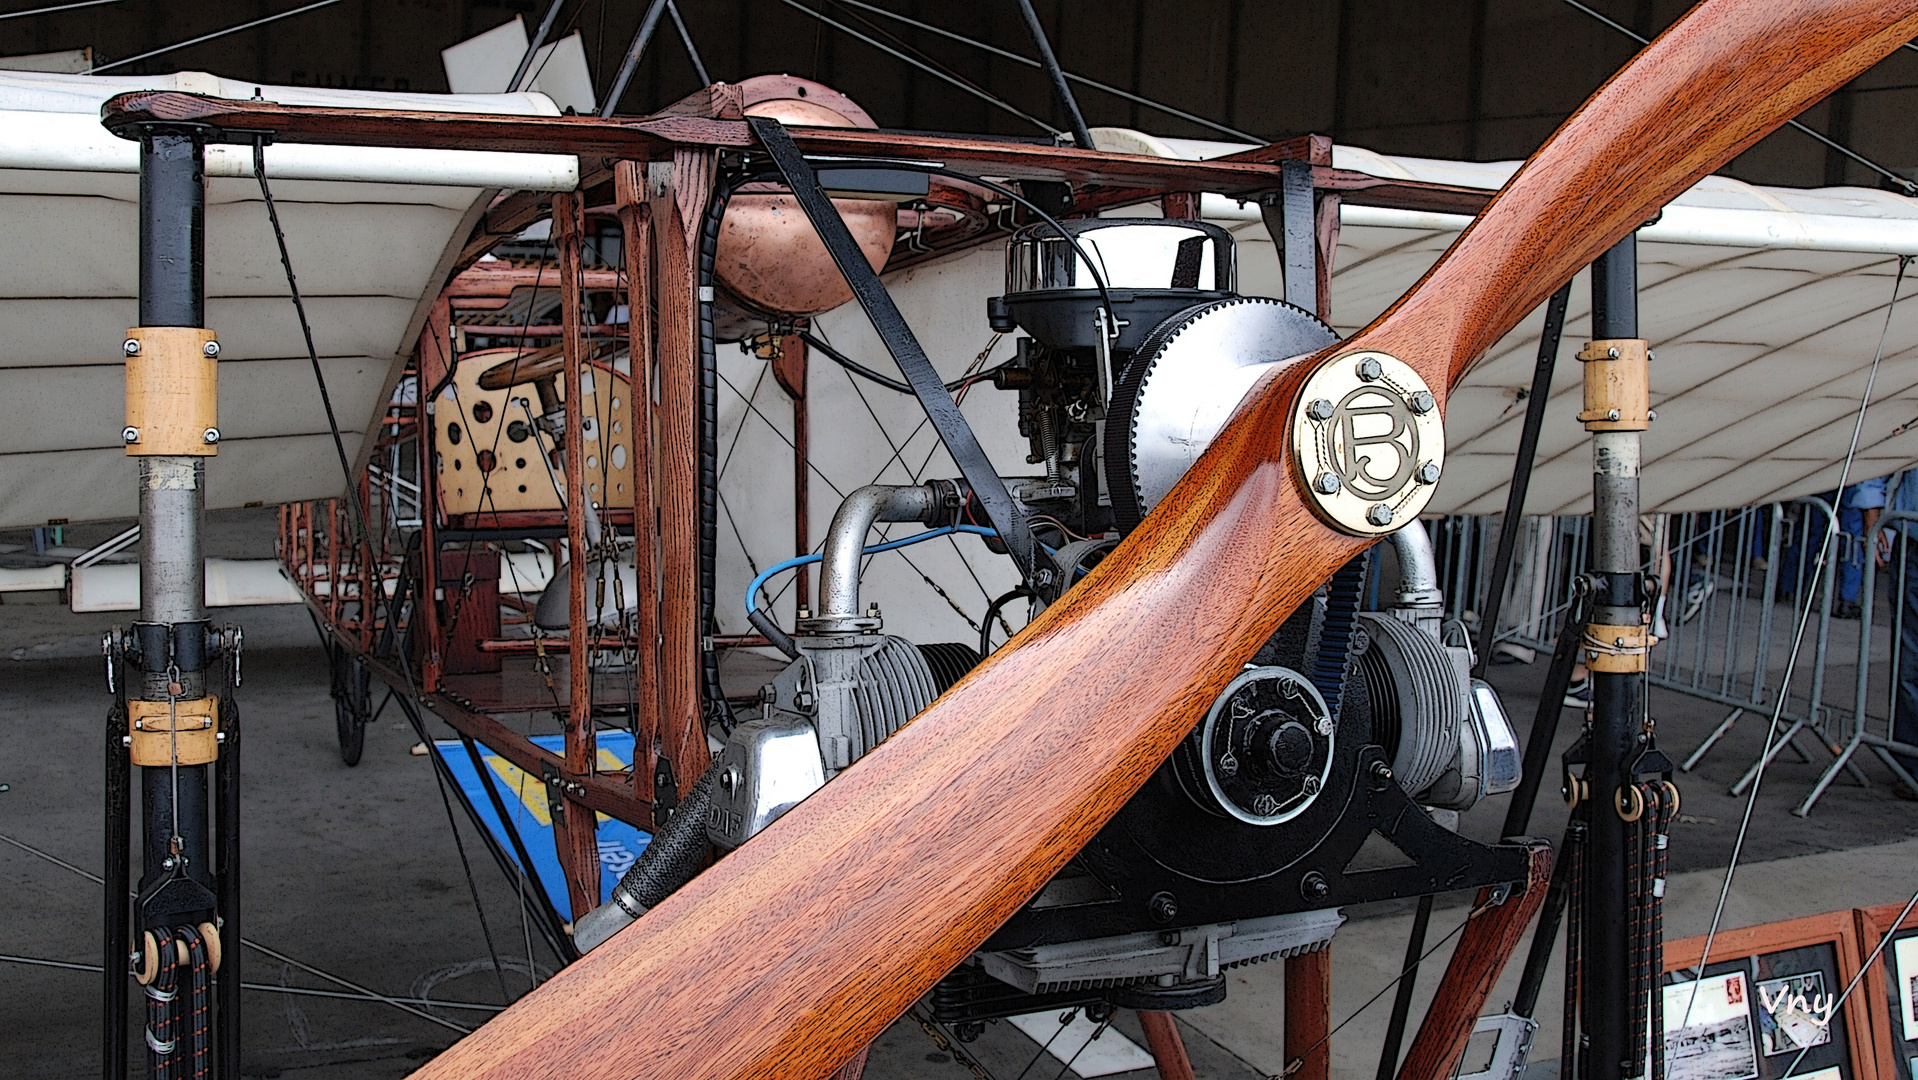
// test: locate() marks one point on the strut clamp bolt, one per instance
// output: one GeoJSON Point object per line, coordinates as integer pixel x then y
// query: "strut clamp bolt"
{"type": "Point", "coordinates": [211, 349]}
{"type": "Point", "coordinates": [130, 346]}
{"type": "Point", "coordinates": [130, 434]}
{"type": "Point", "coordinates": [211, 435]}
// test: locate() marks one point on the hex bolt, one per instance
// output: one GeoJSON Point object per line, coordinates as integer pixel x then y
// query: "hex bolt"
{"type": "Point", "coordinates": [1612, 352]}
{"type": "Point", "coordinates": [1320, 409]}
{"type": "Point", "coordinates": [1612, 415]}
{"type": "Point", "coordinates": [1380, 515]}
{"type": "Point", "coordinates": [211, 349]}
{"type": "Point", "coordinates": [1381, 775]}
{"type": "Point", "coordinates": [1423, 402]}
{"type": "Point", "coordinates": [1651, 414]}
{"type": "Point", "coordinates": [1650, 355]}
{"type": "Point", "coordinates": [130, 346]}
{"type": "Point", "coordinates": [1313, 887]}
{"type": "Point", "coordinates": [1163, 907]}
{"type": "Point", "coordinates": [1328, 483]}
{"type": "Point", "coordinates": [872, 611]}
{"type": "Point", "coordinates": [130, 434]}
{"type": "Point", "coordinates": [1370, 369]}
{"type": "Point", "coordinates": [210, 435]}
{"type": "Point", "coordinates": [1428, 473]}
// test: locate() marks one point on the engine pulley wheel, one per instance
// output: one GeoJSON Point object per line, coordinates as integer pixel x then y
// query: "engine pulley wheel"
{"type": "Point", "coordinates": [1265, 748]}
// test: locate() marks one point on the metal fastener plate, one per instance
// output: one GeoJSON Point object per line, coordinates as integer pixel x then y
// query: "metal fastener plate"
{"type": "Point", "coordinates": [1385, 449]}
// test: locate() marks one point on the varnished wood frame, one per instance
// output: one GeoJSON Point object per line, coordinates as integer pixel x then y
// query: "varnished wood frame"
{"type": "Point", "coordinates": [1838, 929]}
{"type": "Point", "coordinates": [1873, 924]}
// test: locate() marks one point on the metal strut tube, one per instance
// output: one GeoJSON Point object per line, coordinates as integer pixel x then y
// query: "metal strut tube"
{"type": "Point", "coordinates": [846, 540]}
{"type": "Point", "coordinates": [1615, 696]}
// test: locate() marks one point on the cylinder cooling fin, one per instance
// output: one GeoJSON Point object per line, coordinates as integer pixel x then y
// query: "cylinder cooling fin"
{"type": "Point", "coordinates": [1418, 706]}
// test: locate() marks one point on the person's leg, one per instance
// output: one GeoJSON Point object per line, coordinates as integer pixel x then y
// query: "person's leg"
{"type": "Point", "coordinates": [1851, 527]}
{"type": "Point", "coordinates": [1904, 712]}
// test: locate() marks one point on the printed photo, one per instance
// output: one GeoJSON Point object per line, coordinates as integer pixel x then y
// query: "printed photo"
{"type": "Point", "coordinates": [1708, 1030]}
{"type": "Point", "coordinates": [1904, 953]}
{"type": "Point", "coordinates": [1794, 1013]}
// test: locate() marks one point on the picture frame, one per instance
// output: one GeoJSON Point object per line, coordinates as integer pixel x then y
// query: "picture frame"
{"type": "Point", "coordinates": [1766, 999]}
{"type": "Point", "coordinates": [1889, 990]}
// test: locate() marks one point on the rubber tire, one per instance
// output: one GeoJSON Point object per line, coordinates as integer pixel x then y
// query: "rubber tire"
{"type": "Point", "coordinates": [352, 705]}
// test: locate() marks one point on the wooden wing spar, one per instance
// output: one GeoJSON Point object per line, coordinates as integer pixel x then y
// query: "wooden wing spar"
{"type": "Point", "coordinates": [794, 951]}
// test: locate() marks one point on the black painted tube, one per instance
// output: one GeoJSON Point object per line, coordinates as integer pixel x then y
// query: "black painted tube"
{"type": "Point", "coordinates": [119, 910]}
{"type": "Point", "coordinates": [1521, 475]}
{"type": "Point", "coordinates": [1061, 92]}
{"type": "Point", "coordinates": [226, 830]}
{"type": "Point", "coordinates": [1402, 999]}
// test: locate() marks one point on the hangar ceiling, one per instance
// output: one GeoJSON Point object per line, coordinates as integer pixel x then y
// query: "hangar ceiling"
{"type": "Point", "coordinates": [1461, 79]}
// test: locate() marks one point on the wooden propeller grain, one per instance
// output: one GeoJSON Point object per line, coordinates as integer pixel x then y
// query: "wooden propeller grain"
{"type": "Point", "coordinates": [791, 953]}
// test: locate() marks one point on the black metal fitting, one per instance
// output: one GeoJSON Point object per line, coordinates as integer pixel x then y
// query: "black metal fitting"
{"type": "Point", "coordinates": [1163, 907]}
{"type": "Point", "coordinates": [189, 647]}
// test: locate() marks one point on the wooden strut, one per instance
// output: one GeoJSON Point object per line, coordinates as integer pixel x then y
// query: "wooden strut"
{"type": "Point", "coordinates": [1491, 934]}
{"type": "Point", "coordinates": [679, 190]}
{"type": "Point", "coordinates": [575, 833]}
{"type": "Point", "coordinates": [636, 219]}
{"type": "Point", "coordinates": [794, 951]}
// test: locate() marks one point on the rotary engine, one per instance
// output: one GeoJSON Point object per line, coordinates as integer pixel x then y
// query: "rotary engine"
{"type": "Point", "coordinates": [1347, 723]}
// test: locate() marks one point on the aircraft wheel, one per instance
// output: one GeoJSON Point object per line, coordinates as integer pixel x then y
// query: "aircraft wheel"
{"type": "Point", "coordinates": [352, 705]}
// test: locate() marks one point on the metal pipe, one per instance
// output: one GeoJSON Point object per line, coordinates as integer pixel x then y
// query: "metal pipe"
{"type": "Point", "coordinates": [686, 39]}
{"type": "Point", "coordinates": [532, 49]}
{"type": "Point", "coordinates": [1617, 697]}
{"type": "Point", "coordinates": [1061, 91]}
{"type": "Point", "coordinates": [633, 52]}
{"type": "Point", "coordinates": [846, 543]}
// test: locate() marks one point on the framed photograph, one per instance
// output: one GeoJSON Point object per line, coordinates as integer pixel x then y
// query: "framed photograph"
{"type": "Point", "coordinates": [1765, 1006]}
{"type": "Point", "coordinates": [1891, 985]}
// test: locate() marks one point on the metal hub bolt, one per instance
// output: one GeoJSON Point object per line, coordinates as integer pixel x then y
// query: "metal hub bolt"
{"type": "Point", "coordinates": [1313, 886]}
{"type": "Point", "coordinates": [1320, 409]}
{"type": "Point", "coordinates": [1380, 514]}
{"type": "Point", "coordinates": [1428, 473]}
{"type": "Point", "coordinates": [1370, 369]}
{"type": "Point", "coordinates": [1328, 483]}
{"type": "Point", "coordinates": [1423, 402]}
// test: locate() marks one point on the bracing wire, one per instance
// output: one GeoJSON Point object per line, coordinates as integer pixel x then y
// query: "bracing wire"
{"type": "Point", "coordinates": [56, 7]}
{"type": "Point", "coordinates": [306, 333]}
{"type": "Point", "coordinates": [1080, 79]}
{"type": "Point", "coordinates": [208, 37]}
{"type": "Point", "coordinates": [923, 66]}
{"type": "Point", "coordinates": [1798, 635]}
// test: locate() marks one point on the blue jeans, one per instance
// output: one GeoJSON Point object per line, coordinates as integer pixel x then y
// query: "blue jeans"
{"type": "Point", "coordinates": [1904, 709]}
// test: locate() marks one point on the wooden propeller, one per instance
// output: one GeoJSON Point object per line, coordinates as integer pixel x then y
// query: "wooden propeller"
{"type": "Point", "coordinates": [791, 953]}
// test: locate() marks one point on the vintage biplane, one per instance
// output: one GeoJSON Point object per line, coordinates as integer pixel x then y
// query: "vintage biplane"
{"type": "Point", "coordinates": [519, 529]}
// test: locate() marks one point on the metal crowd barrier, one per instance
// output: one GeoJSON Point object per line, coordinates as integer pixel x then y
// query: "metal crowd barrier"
{"type": "Point", "coordinates": [1733, 584]}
